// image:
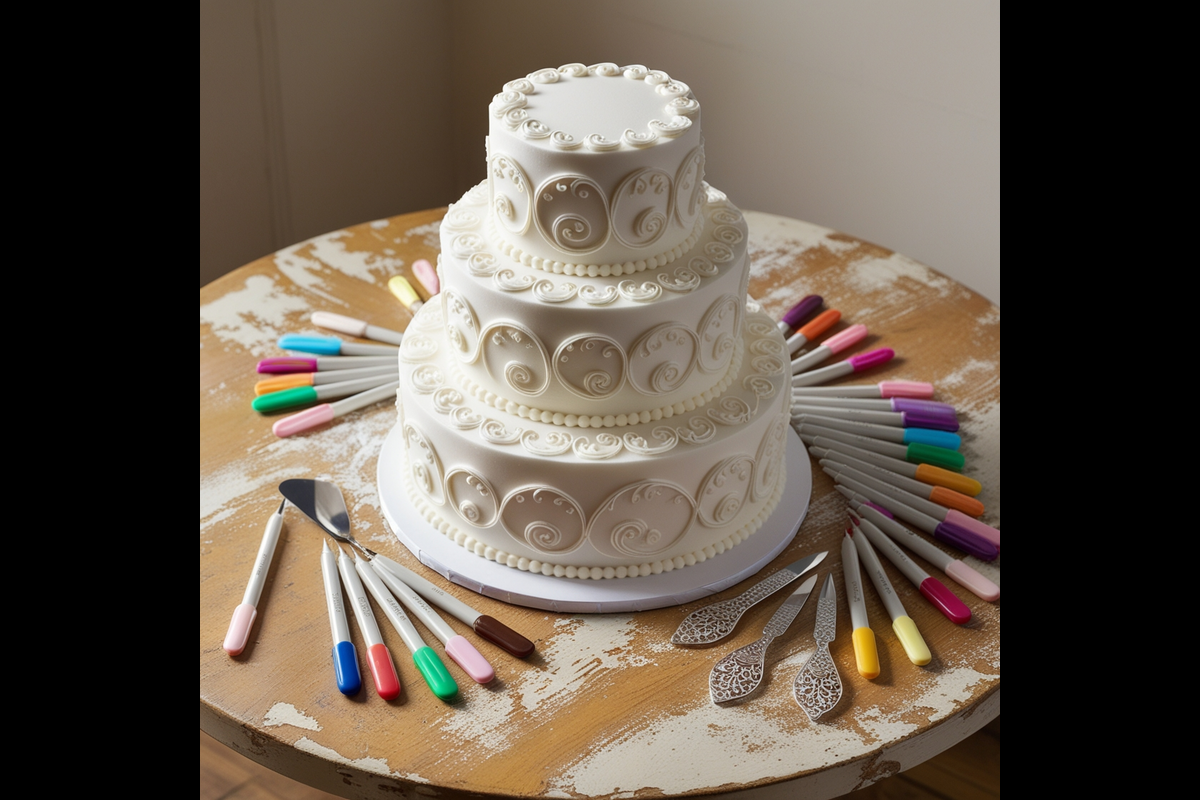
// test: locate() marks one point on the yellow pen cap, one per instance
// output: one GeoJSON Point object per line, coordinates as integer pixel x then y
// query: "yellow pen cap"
{"type": "Point", "coordinates": [403, 291]}
{"type": "Point", "coordinates": [910, 637]}
{"type": "Point", "coordinates": [865, 653]}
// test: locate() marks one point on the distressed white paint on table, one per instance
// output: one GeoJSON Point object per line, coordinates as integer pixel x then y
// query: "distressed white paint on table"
{"type": "Point", "coordinates": [606, 707]}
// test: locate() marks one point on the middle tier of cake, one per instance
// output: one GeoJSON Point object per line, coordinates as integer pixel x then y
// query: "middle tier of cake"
{"type": "Point", "coordinates": [595, 349]}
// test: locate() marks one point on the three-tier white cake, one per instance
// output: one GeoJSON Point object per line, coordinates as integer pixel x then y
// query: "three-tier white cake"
{"type": "Point", "coordinates": [593, 394]}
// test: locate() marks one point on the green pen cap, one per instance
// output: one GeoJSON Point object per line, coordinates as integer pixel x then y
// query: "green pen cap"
{"type": "Point", "coordinates": [937, 456]}
{"type": "Point", "coordinates": [435, 674]}
{"type": "Point", "coordinates": [284, 399]}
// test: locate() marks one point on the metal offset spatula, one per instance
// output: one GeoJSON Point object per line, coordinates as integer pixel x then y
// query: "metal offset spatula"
{"type": "Point", "coordinates": [739, 673]}
{"type": "Point", "coordinates": [711, 624]}
{"type": "Point", "coordinates": [322, 502]}
{"type": "Point", "coordinates": [818, 686]}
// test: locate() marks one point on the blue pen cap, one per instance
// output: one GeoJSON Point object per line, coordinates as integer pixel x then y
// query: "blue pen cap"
{"type": "Point", "coordinates": [946, 439]}
{"type": "Point", "coordinates": [345, 665]}
{"type": "Point", "coordinates": [321, 345]}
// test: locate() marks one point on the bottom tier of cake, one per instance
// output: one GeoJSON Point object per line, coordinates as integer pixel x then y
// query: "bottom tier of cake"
{"type": "Point", "coordinates": [623, 501]}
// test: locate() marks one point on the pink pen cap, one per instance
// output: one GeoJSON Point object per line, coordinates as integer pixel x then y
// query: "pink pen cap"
{"type": "Point", "coordinates": [467, 657]}
{"type": "Point", "coordinates": [834, 344]}
{"type": "Point", "coordinates": [427, 276]}
{"type": "Point", "coordinates": [883, 390]}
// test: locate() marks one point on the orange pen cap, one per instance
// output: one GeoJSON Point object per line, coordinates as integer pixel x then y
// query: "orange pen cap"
{"type": "Point", "coordinates": [960, 502]}
{"type": "Point", "coordinates": [936, 476]}
{"type": "Point", "coordinates": [278, 383]}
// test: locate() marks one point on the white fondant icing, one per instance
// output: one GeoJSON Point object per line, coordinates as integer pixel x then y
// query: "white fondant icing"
{"type": "Point", "coordinates": [561, 414]}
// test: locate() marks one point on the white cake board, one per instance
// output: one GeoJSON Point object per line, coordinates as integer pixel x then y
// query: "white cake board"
{"type": "Point", "coordinates": [580, 596]}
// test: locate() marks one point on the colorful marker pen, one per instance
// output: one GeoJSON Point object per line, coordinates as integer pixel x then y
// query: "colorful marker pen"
{"type": "Point", "coordinates": [905, 629]}
{"type": "Point", "coordinates": [930, 587]}
{"type": "Point", "coordinates": [834, 344]}
{"type": "Point", "coordinates": [355, 327]}
{"type": "Point", "coordinates": [866, 656]}
{"type": "Point", "coordinates": [865, 361]}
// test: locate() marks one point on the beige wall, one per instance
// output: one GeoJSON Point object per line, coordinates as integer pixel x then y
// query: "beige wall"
{"type": "Point", "coordinates": [880, 118]}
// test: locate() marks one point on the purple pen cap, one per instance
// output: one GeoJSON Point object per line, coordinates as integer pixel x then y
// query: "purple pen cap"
{"type": "Point", "coordinates": [967, 541]}
{"type": "Point", "coordinates": [797, 313]}
{"type": "Point", "coordinates": [929, 418]}
{"type": "Point", "coordinates": [912, 404]}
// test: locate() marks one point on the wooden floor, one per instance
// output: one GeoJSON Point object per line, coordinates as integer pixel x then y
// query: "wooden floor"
{"type": "Point", "coordinates": [967, 771]}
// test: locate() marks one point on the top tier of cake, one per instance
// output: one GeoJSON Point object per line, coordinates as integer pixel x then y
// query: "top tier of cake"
{"type": "Point", "coordinates": [598, 166]}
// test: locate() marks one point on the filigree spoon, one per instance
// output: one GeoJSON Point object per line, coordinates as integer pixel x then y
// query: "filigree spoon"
{"type": "Point", "coordinates": [818, 686]}
{"type": "Point", "coordinates": [739, 673]}
{"type": "Point", "coordinates": [710, 624]}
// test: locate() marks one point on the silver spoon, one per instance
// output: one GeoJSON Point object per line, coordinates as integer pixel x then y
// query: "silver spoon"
{"type": "Point", "coordinates": [708, 625]}
{"type": "Point", "coordinates": [739, 673]}
{"type": "Point", "coordinates": [818, 686]}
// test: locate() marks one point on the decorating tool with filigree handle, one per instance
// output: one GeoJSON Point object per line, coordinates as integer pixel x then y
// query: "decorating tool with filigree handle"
{"type": "Point", "coordinates": [739, 673]}
{"type": "Point", "coordinates": [818, 686]}
{"type": "Point", "coordinates": [711, 624]}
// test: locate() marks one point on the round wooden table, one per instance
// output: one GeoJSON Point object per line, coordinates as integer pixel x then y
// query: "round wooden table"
{"type": "Point", "coordinates": [606, 706]}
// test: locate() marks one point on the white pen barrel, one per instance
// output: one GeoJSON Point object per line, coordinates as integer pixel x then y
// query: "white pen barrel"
{"type": "Point", "coordinates": [898, 557]}
{"type": "Point", "coordinates": [262, 561]}
{"type": "Point", "coordinates": [879, 578]}
{"type": "Point", "coordinates": [431, 592]}
{"type": "Point", "coordinates": [359, 602]}
{"type": "Point", "coordinates": [416, 605]}
{"type": "Point", "coordinates": [338, 625]}
{"type": "Point", "coordinates": [391, 607]}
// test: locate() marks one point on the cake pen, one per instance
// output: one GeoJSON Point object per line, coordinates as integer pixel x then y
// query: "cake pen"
{"type": "Point", "coordinates": [318, 415]}
{"type": "Point", "coordinates": [821, 323]}
{"type": "Point", "coordinates": [925, 473]}
{"type": "Point", "coordinates": [930, 587]}
{"type": "Point", "coordinates": [935, 510]}
{"type": "Point", "coordinates": [332, 346]}
{"type": "Point", "coordinates": [431, 667]}
{"type": "Point", "coordinates": [883, 389]}
{"type": "Point", "coordinates": [379, 659]}
{"type": "Point", "coordinates": [834, 344]}
{"type": "Point", "coordinates": [291, 380]}
{"type": "Point", "coordinates": [947, 498]}
{"type": "Point", "coordinates": [897, 404]}
{"type": "Point", "coordinates": [243, 616]}
{"type": "Point", "coordinates": [355, 327]}
{"type": "Point", "coordinates": [959, 571]}
{"type": "Point", "coordinates": [290, 364]}
{"type": "Point", "coordinates": [866, 656]}
{"type": "Point", "coordinates": [427, 276]}
{"type": "Point", "coordinates": [947, 531]}
{"type": "Point", "coordinates": [945, 444]}
{"type": "Point", "coordinates": [798, 313]}
{"type": "Point", "coordinates": [489, 628]}
{"type": "Point", "coordinates": [287, 399]}
{"type": "Point", "coordinates": [916, 418]}
{"type": "Point", "coordinates": [457, 647]}
{"type": "Point", "coordinates": [851, 365]}
{"type": "Point", "coordinates": [405, 293]}
{"type": "Point", "coordinates": [906, 630]}
{"type": "Point", "coordinates": [345, 659]}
